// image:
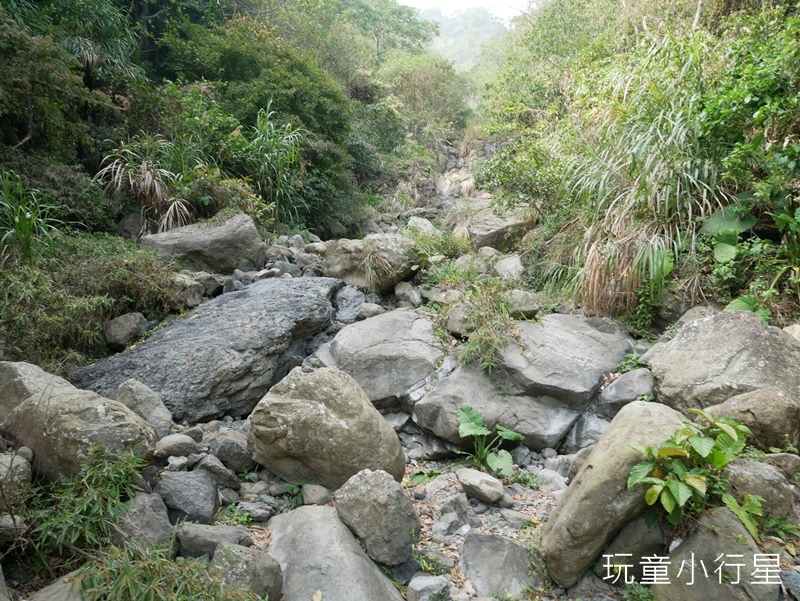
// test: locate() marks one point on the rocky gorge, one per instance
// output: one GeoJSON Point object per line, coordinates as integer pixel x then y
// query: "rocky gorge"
{"type": "Point", "coordinates": [296, 393]}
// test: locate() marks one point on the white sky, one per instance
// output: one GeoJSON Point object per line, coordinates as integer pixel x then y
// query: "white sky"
{"type": "Point", "coordinates": [504, 9]}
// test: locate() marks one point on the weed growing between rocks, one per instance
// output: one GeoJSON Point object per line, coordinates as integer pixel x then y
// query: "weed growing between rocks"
{"type": "Point", "coordinates": [135, 574]}
{"type": "Point", "coordinates": [487, 453]}
{"type": "Point", "coordinates": [686, 473]}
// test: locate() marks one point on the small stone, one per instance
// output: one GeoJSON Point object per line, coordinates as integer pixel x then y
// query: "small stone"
{"type": "Point", "coordinates": [314, 494]}
{"type": "Point", "coordinates": [175, 445]}
{"type": "Point", "coordinates": [480, 485]}
{"type": "Point", "coordinates": [419, 492]}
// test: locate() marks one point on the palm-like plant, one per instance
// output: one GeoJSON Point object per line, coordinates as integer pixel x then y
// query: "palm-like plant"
{"type": "Point", "coordinates": [24, 220]}
{"type": "Point", "coordinates": [136, 167]}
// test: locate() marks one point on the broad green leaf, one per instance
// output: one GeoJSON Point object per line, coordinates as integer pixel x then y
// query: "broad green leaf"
{"type": "Point", "coordinates": [748, 302]}
{"type": "Point", "coordinates": [729, 447]}
{"type": "Point", "coordinates": [470, 423]}
{"type": "Point", "coordinates": [717, 458]}
{"type": "Point", "coordinates": [651, 496]}
{"type": "Point", "coordinates": [728, 429]}
{"type": "Point", "coordinates": [672, 452]}
{"type": "Point", "coordinates": [680, 490]}
{"type": "Point", "coordinates": [723, 252]}
{"type": "Point", "coordinates": [675, 516]}
{"type": "Point", "coordinates": [744, 516]}
{"type": "Point", "coordinates": [697, 482]}
{"type": "Point", "coordinates": [727, 219]}
{"type": "Point", "coordinates": [701, 413]}
{"type": "Point", "coordinates": [702, 444]}
{"type": "Point", "coordinates": [640, 471]}
{"type": "Point", "coordinates": [507, 434]}
{"type": "Point", "coordinates": [668, 501]}
{"type": "Point", "coordinates": [501, 463]}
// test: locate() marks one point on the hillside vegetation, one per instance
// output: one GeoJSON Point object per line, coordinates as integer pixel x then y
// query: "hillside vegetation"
{"type": "Point", "coordinates": [301, 114]}
{"type": "Point", "coordinates": [658, 143]}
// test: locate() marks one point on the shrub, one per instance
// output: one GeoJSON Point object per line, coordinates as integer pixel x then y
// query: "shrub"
{"type": "Point", "coordinates": [133, 574]}
{"type": "Point", "coordinates": [53, 309]}
{"type": "Point", "coordinates": [75, 516]}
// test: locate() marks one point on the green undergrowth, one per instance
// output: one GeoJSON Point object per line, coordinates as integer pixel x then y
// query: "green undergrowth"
{"type": "Point", "coordinates": [53, 307]}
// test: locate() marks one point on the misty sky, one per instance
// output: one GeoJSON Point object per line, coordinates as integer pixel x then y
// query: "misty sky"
{"type": "Point", "coordinates": [504, 9]}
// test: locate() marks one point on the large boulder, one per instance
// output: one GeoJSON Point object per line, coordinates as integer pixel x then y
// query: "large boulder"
{"type": "Point", "coordinates": [379, 512]}
{"type": "Point", "coordinates": [563, 356]}
{"type": "Point", "coordinates": [223, 358]}
{"type": "Point", "coordinates": [375, 263]}
{"type": "Point", "coordinates": [722, 546]}
{"type": "Point", "coordinates": [773, 416]}
{"type": "Point", "coordinates": [19, 381]}
{"type": "Point", "coordinates": [146, 404]}
{"type": "Point", "coordinates": [124, 329]}
{"type": "Point", "coordinates": [60, 429]}
{"type": "Point", "coordinates": [598, 503]}
{"type": "Point", "coordinates": [236, 244]}
{"type": "Point", "coordinates": [542, 420]}
{"type": "Point", "coordinates": [389, 355]}
{"type": "Point", "coordinates": [321, 426]}
{"type": "Point", "coordinates": [320, 558]}
{"type": "Point", "coordinates": [496, 565]}
{"type": "Point", "coordinates": [710, 360]}
{"type": "Point", "coordinates": [144, 521]}
{"type": "Point", "coordinates": [15, 477]}
{"type": "Point", "coordinates": [487, 225]}
{"type": "Point", "coordinates": [249, 569]}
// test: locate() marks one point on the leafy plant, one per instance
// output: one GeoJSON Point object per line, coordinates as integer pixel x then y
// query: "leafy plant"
{"type": "Point", "coordinates": [788, 447]}
{"type": "Point", "coordinates": [295, 492]}
{"type": "Point", "coordinates": [25, 222]}
{"type": "Point", "coordinates": [749, 302]}
{"type": "Point", "coordinates": [686, 472]}
{"type": "Point", "coordinates": [747, 511]}
{"type": "Point", "coordinates": [490, 322]}
{"type": "Point", "coordinates": [422, 477]}
{"type": "Point", "coordinates": [637, 592]}
{"type": "Point", "coordinates": [74, 516]}
{"type": "Point", "coordinates": [230, 516]}
{"type": "Point", "coordinates": [135, 574]}
{"type": "Point", "coordinates": [430, 564]}
{"type": "Point", "coordinates": [782, 528]}
{"type": "Point", "coordinates": [487, 453]}
{"type": "Point", "coordinates": [526, 479]}
{"type": "Point", "coordinates": [633, 360]}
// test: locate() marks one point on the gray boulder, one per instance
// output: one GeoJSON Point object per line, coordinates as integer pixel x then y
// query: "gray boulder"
{"type": "Point", "coordinates": [389, 355]}
{"type": "Point", "coordinates": [719, 532]}
{"type": "Point", "coordinates": [321, 426]}
{"type": "Point", "coordinates": [61, 428]}
{"type": "Point", "coordinates": [186, 292]}
{"type": "Point", "coordinates": [236, 244]}
{"type": "Point", "coordinates": [225, 357]}
{"type": "Point", "coordinates": [318, 555]}
{"type": "Point", "coordinates": [564, 357]}
{"type": "Point", "coordinates": [586, 432]}
{"type": "Point", "coordinates": [427, 588]}
{"type": "Point", "coordinates": [231, 448]}
{"type": "Point", "coordinates": [64, 589]}
{"type": "Point", "coordinates": [15, 477]}
{"type": "Point", "coordinates": [223, 476]}
{"type": "Point", "coordinates": [542, 420]}
{"type": "Point", "coordinates": [249, 569]}
{"type": "Point", "coordinates": [347, 302]}
{"type": "Point", "coordinates": [458, 318]}
{"type": "Point", "coordinates": [480, 485]}
{"type": "Point", "coordinates": [189, 496]}
{"type": "Point", "coordinates": [487, 225]}
{"type": "Point", "coordinates": [773, 416]}
{"type": "Point", "coordinates": [20, 380]}
{"type": "Point", "coordinates": [124, 329]}
{"type": "Point", "coordinates": [510, 268]}
{"type": "Point", "coordinates": [496, 566]}
{"type": "Point", "coordinates": [375, 263]}
{"type": "Point", "coordinates": [378, 511]}
{"type": "Point", "coordinates": [175, 445]}
{"type": "Point", "coordinates": [522, 304]}
{"type": "Point", "coordinates": [598, 503]}
{"type": "Point", "coordinates": [146, 404]}
{"type": "Point", "coordinates": [764, 480]}
{"type": "Point", "coordinates": [641, 538]}
{"type": "Point", "coordinates": [144, 521]}
{"type": "Point", "coordinates": [710, 360]}
{"type": "Point", "coordinates": [197, 540]}
{"type": "Point", "coordinates": [631, 386]}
